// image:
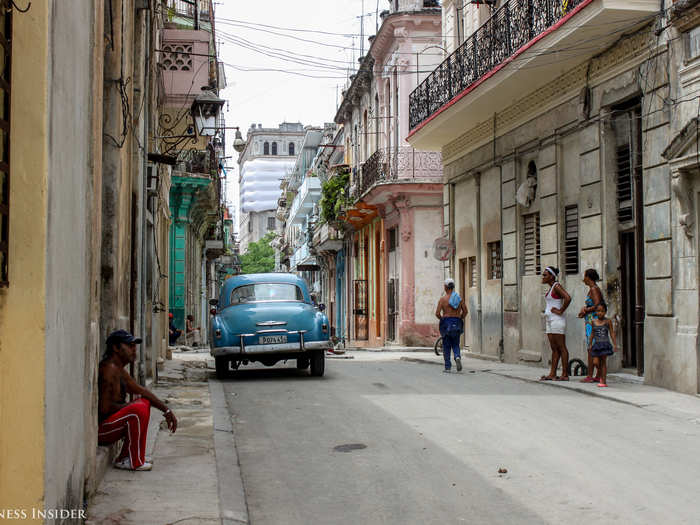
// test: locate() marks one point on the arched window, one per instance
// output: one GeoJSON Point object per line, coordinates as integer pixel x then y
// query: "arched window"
{"type": "Point", "coordinates": [266, 148]}
{"type": "Point", "coordinates": [291, 148]}
{"type": "Point", "coordinates": [274, 148]}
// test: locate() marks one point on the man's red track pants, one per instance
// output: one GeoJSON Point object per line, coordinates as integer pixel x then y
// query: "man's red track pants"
{"type": "Point", "coordinates": [130, 423]}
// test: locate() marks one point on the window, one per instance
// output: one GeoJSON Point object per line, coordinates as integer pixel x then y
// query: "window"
{"type": "Point", "coordinates": [266, 148]}
{"type": "Point", "coordinates": [693, 43]}
{"type": "Point", "coordinates": [5, 39]}
{"type": "Point", "coordinates": [264, 292]}
{"type": "Point", "coordinates": [392, 239]}
{"type": "Point", "coordinates": [494, 252]}
{"type": "Point", "coordinates": [291, 148]}
{"type": "Point", "coordinates": [472, 272]}
{"type": "Point", "coordinates": [531, 244]}
{"type": "Point", "coordinates": [571, 240]}
{"type": "Point", "coordinates": [250, 224]}
{"type": "Point", "coordinates": [271, 224]}
{"type": "Point", "coordinates": [274, 148]}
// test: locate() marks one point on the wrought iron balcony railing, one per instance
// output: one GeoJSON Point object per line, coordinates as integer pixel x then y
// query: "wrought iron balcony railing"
{"type": "Point", "coordinates": [404, 164]}
{"type": "Point", "coordinates": [511, 26]}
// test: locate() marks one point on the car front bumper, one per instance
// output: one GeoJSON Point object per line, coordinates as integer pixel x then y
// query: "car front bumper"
{"type": "Point", "coordinates": [300, 347]}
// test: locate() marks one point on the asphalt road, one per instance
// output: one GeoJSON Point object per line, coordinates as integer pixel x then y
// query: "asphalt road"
{"type": "Point", "coordinates": [391, 442]}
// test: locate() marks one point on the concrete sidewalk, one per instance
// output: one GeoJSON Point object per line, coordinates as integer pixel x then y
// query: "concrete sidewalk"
{"type": "Point", "coordinates": [195, 477]}
{"type": "Point", "coordinates": [622, 388]}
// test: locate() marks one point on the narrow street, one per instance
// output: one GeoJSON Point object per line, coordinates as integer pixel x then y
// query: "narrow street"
{"type": "Point", "coordinates": [388, 441]}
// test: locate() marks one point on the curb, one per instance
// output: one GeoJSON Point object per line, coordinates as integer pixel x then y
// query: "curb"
{"type": "Point", "coordinates": [233, 507]}
{"type": "Point", "coordinates": [560, 384]}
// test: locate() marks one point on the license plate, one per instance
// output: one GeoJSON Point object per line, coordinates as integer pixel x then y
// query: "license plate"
{"type": "Point", "coordinates": [272, 339]}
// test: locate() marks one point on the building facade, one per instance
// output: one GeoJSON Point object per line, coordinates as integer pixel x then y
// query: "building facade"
{"type": "Point", "coordinates": [268, 157]}
{"type": "Point", "coordinates": [588, 167]}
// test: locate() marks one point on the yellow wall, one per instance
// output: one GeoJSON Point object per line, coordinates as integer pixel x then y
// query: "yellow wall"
{"type": "Point", "coordinates": [23, 304]}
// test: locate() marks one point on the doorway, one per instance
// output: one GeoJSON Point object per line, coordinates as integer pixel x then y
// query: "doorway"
{"type": "Point", "coordinates": [360, 310]}
{"type": "Point", "coordinates": [628, 282]}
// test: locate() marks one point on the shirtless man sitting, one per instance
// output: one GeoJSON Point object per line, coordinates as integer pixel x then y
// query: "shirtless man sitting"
{"type": "Point", "coordinates": [451, 312]}
{"type": "Point", "coordinates": [119, 419]}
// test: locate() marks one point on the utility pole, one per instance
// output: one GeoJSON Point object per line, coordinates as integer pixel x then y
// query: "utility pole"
{"type": "Point", "coordinates": [362, 30]}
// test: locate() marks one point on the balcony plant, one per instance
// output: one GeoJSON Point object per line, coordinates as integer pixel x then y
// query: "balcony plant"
{"type": "Point", "coordinates": [333, 197]}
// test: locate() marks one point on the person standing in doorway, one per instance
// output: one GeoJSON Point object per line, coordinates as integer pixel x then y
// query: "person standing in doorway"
{"type": "Point", "coordinates": [451, 312]}
{"type": "Point", "coordinates": [557, 301]}
{"type": "Point", "coordinates": [588, 313]}
{"type": "Point", "coordinates": [599, 346]}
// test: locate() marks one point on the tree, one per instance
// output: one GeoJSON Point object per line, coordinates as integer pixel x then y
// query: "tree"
{"type": "Point", "coordinates": [260, 256]}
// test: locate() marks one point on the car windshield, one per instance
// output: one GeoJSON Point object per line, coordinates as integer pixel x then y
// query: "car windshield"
{"type": "Point", "coordinates": [266, 292]}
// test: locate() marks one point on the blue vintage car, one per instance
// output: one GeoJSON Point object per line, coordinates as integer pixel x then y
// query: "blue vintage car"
{"type": "Point", "coordinates": [267, 317]}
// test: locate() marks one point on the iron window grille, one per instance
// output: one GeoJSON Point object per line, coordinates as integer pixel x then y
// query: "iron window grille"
{"type": "Point", "coordinates": [531, 244]}
{"type": "Point", "coordinates": [271, 224]}
{"type": "Point", "coordinates": [495, 265]}
{"type": "Point", "coordinates": [274, 148]}
{"type": "Point", "coordinates": [5, 80]}
{"type": "Point", "coordinates": [266, 148]}
{"type": "Point", "coordinates": [291, 148]}
{"type": "Point", "coordinates": [472, 272]}
{"type": "Point", "coordinates": [571, 248]}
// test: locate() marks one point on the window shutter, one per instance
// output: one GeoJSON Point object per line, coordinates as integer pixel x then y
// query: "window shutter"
{"type": "Point", "coordinates": [531, 244]}
{"type": "Point", "coordinates": [623, 158]}
{"type": "Point", "coordinates": [495, 270]}
{"type": "Point", "coordinates": [571, 239]}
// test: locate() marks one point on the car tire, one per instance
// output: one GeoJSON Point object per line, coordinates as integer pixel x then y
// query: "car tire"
{"type": "Point", "coordinates": [318, 363]}
{"type": "Point", "coordinates": [303, 363]}
{"type": "Point", "coordinates": [221, 367]}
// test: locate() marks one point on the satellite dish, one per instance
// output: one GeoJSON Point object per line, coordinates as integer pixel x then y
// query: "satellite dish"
{"type": "Point", "coordinates": [443, 248]}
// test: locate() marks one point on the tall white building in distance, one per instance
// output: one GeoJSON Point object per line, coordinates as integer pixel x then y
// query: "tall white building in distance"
{"type": "Point", "coordinates": [269, 155]}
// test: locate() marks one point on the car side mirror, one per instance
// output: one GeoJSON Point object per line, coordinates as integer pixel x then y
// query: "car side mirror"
{"type": "Point", "coordinates": [214, 302]}
{"type": "Point", "coordinates": [322, 307]}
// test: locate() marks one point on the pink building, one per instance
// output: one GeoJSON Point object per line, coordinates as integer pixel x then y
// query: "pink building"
{"type": "Point", "coordinates": [393, 281]}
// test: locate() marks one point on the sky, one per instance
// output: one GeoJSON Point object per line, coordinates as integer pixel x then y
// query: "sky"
{"type": "Point", "coordinates": [325, 31]}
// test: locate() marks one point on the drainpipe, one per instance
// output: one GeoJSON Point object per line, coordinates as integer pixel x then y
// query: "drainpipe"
{"type": "Point", "coordinates": [502, 343]}
{"type": "Point", "coordinates": [144, 197]}
{"type": "Point", "coordinates": [639, 259]}
{"type": "Point", "coordinates": [477, 179]}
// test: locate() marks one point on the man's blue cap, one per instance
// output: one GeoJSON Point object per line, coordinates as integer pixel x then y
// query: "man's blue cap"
{"type": "Point", "coordinates": [122, 336]}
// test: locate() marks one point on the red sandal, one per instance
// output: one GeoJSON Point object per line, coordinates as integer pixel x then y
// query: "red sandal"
{"type": "Point", "coordinates": [588, 379]}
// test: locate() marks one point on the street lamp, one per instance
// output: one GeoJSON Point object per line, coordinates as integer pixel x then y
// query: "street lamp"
{"type": "Point", "coordinates": [238, 142]}
{"type": "Point", "coordinates": [205, 110]}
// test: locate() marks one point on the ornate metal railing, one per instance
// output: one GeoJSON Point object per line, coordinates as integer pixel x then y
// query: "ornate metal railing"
{"type": "Point", "coordinates": [195, 161]}
{"type": "Point", "coordinates": [404, 164]}
{"type": "Point", "coordinates": [511, 26]}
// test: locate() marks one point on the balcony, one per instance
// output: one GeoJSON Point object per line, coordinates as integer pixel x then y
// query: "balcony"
{"type": "Point", "coordinates": [309, 194]}
{"type": "Point", "coordinates": [327, 239]}
{"type": "Point", "coordinates": [402, 165]}
{"type": "Point", "coordinates": [196, 161]}
{"type": "Point", "coordinates": [524, 45]}
{"type": "Point", "coordinates": [185, 64]}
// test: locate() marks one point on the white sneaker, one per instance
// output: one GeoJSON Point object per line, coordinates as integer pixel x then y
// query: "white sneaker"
{"type": "Point", "coordinates": [125, 464]}
{"type": "Point", "coordinates": [446, 371]}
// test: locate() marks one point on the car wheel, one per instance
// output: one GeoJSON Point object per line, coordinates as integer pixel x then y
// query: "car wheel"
{"type": "Point", "coordinates": [303, 363]}
{"type": "Point", "coordinates": [221, 367]}
{"type": "Point", "coordinates": [318, 363]}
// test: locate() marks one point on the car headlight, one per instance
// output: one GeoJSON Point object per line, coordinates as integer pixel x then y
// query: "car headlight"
{"type": "Point", "coordinates": [324, 327]}
{"type": "Point", "coordinates": [217, 333]}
